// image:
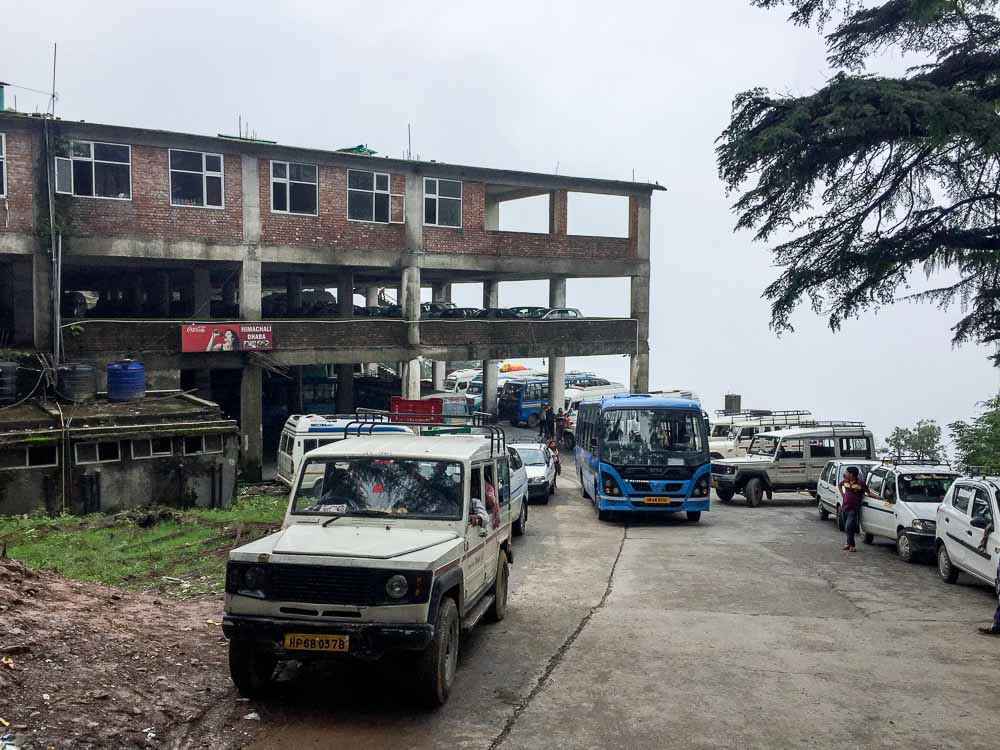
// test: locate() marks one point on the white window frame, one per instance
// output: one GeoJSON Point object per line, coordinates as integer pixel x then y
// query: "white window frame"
{"type": "Point", "coordinates": [152, 453]}
{"type": "Point", "coordinates": [3, 167]}
{"type": "Point", "coordinates": [68, 164]}
{"type": "Point", "coordinates": [287, 182]}
{"type": "Point", "coordinates": [205, 174]}
{"type": "Point", "coordinates": [437, 203]}
{"type": "Point", "coordinates": [392, 197]}
{"type": "Point", "coordinates": [98, 459]}
{"type": "Point", "coordinates": [27, 465]}
{"type": "Point", "coordinates": [203, 451]}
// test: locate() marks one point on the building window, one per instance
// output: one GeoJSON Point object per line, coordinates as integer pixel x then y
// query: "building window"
{"type": "Point", "coordinates": [294, 188]}
{"type": "Point", "coordinates": [442, 203]}
{"type": "Point", "coordinates": [195, 179]}
{"type": "Point", "coordinates": [197, 444]}
{"type": "Point", "coordinates": [152, 448]}
{"type": "Point", "coordinates": [33, 457]}
{"type": "Point", "coordinates": [104, 452]}
{"type": "Point", "coordinates": [3, 165]}
{"type": "Point", "coordinates": [95, 170]}
{"type": "Point", "coordinates": [370, 198]}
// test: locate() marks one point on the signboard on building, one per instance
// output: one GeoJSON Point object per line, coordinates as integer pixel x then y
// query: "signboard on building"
{"type": "Point", "coordinates": [226, 337]}
{"type": "Point", "coordinates": [416, 410]}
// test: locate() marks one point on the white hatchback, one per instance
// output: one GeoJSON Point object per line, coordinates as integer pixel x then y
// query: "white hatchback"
{"type": "Point", "coordinates": [828, 486]}
{"type": "Point", "coordinates": [540, 466]}
{"type": "Point", "coordinates": [970, 506]}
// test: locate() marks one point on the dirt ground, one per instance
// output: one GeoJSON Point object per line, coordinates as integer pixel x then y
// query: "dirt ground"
{"type": "Point", "coordinates": [86, 666]}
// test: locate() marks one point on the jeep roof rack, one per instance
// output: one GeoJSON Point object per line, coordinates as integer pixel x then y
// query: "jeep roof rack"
{"type": "Point", "coordinates": [914, 460]}
{"type": "Point", "coordinates": [366, 420]}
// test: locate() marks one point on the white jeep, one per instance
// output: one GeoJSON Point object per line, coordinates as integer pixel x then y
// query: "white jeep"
{"type": "Point", "coordinates": [789, 460]}
{"type": "Point", "coordinates": [396, 549]}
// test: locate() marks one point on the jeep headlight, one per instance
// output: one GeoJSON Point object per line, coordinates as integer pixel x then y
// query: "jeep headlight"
{"type": "Point", "coordinates": [396, 587]}
{"type": "Point", "coordinates": [246, 580]}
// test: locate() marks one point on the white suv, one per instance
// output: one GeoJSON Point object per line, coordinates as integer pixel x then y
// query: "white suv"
{"type": "Point", "coordinates": [970, 506]}
{"type": "Point", "coordinates": [902, 505]}
{"type": "Point", "coordinates": [386, 553]}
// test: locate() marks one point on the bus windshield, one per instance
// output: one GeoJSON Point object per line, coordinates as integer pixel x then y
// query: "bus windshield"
{"type": "Point", "coordinates": [652, 436]}
{"type": "Point", "coordinates": [383, 487]}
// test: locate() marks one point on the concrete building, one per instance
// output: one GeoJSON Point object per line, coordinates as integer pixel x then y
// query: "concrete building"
{"type": "Point", "coordinates": [158, 230]}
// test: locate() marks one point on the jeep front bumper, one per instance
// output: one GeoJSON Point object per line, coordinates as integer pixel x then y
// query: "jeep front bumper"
{"type": "Point", "coordinates": [369, 640]}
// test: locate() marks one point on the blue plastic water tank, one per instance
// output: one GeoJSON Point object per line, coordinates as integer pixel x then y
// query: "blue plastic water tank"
{"type": "Point", "coordinates": [126, 381]}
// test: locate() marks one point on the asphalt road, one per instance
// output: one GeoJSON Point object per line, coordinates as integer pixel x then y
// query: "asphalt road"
{"type": "Point", "coordinates": [751, 629]}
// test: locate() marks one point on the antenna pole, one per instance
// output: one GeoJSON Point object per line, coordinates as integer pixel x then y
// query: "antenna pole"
{"type": "Point", "coordinates": [409, 142]}
{"type": "Point", "coordinates": [55, 50]}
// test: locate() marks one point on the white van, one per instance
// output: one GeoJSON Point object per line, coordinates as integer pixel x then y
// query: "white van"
{"type": "Point", "coordinates": [591, 393]}
{"type": "Point", "coordinates": [306, 432]}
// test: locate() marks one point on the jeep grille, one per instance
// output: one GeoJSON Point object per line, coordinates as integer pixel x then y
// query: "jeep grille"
{"type": "Point", "coordinates": [319, 584]}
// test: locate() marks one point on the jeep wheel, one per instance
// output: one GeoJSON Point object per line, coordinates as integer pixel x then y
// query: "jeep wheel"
{"type": "Point", "coordinates": [694, 516]}
{"type": "Point", "coordinates": [522, 520]}
{"type": "Point", "coordinates": [498, 610]}
{"type": "Point", "coordinates": [753, 492]}
{"type": "Point", "coordinates": [949, 573]}
{"type": "Point", "coordinates": [251, 668]}
{"type": "Point", "coordinates": [438, 662]}
{"type": "Point", "coordinates": [904, 547]}
{"type": "Point", "coordinates": [725, 494]}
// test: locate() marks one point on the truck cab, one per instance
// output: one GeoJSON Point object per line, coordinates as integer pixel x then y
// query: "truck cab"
{"type": "Point", "coordinates": [400, 544]}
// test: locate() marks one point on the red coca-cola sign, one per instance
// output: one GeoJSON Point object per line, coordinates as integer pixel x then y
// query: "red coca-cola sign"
{"type": "Point", "coordinates": [226, 337]}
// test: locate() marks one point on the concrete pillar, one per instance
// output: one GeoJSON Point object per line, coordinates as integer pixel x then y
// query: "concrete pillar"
{"type": "Point", "coordinates": [161, 295]}
{"type": "Point", "coordinates": [557, 365]}
{"type": "Point", "coordinates": [134, 294]}
{"type": "Point", "coordinates": [440, 292]}
{"type": "Point", "coordinates": [491, 214]}
{"type": "Point", "coordinates": [251, 421]}
{"type": "Point", "coordinates": [43, 300]}
{"type": "Point", "coordinates": [409, 291]}
{"type": "Point", "coordinates": [345, 295]}
{"type": "Point", "coordinates": [202, 292]}
{"type": "Point", "coordinates": [411, 379]}
{"type": "Point", "coordinates": [371, 300]}
{"type": "Point", "coordinates": [491, 298]}
{"type": "Point", "coordinates": [639, 362]}
{"type": "Point", "coordinates": [345, 371]}
{"type": "Point", "coordinates": [293, 288]}
{"type": "Point", "coordinates": [250, 296]}
{"type": "Point", "coordinates": [558, 212]}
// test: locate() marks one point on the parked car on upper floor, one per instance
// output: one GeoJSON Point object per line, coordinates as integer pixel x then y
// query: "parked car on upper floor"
{"type": "Point", "coordinates": [828, 496]}
{"type": "Point", "coordinates": [384, 311]}
{"type": "Point", "coordinates": [970, 507]}
{"type": "Point", "coordinates": [530, 312]}
{"type": "Point", "coordinates": [902, 505]}
{"type": "Point", "coordinates": [562, 313]}
{"type": "Point", "coordinates": [496, 313]}
{"type": "Point", "coordinates": [434, 309]}
{"type": "Point", "coordinates": [458, 313]}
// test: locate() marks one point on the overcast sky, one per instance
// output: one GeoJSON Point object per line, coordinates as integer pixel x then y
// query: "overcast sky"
{"type": "Point", "coordinates": [598, 89]}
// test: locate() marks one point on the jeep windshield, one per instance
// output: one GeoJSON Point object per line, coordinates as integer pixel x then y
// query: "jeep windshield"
{"type": "Point", "coordinates": [763, 446]}
{"type": "Point", "coordinates": [366, 486]}
{"type": "Point", "coordinates": [924, 488]}
{"type": "Point", "coordinates": [650, 437]}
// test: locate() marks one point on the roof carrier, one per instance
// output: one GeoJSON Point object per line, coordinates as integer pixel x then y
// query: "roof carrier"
{"type": "Point", "coordinates": [763, 413]}
{"type": "Point", "coordinates": [914, 460]}
{"type": "Point", "coordinates": [364, 421]}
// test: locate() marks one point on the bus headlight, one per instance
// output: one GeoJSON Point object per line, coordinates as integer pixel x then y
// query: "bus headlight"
{"type": "Point", "coordinates": [701, 487]}
{"type": "Point", "coordinates": [610, 485]}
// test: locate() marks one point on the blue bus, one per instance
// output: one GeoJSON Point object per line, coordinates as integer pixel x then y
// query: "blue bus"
{"type": "Point", "coordinates": [521, 398]}
{"type": "Point", "coordinates": [636, 452]}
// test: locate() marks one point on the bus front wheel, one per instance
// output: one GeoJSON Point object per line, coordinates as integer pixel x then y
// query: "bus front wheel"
{"type": "Point", "coordinates": [694, 516]}
{"type": "Point", "coordinates": [532, 421]}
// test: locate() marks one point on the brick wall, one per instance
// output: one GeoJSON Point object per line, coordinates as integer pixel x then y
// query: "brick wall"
{"type": "Point", "coordinates": [23, 150]}
{"type": "Point", "coordinates": [149, 213]}
{"type": "Point", "coordinates": [330, 229]}
{"type": "Point", "coordinates": [474, 239]}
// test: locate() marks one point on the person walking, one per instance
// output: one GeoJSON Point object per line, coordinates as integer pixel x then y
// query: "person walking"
{"type": "Point", "coordinates": [560, 426]}
{"type": "Point", "coordinates": [550, 423]}
{"type": "Point", "coordinates": [541, 419]}
{"type": "Point", "coordinates": [852, 490]}
{"type": "Point", "coordinates": [993, 629]}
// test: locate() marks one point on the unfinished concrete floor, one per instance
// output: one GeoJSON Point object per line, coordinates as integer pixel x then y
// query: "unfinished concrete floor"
{"type": "Point", "coordinates": [751, 629]}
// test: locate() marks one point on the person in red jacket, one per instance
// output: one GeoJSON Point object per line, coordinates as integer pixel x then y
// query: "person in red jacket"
{"type": "Point", "coordinates": [852, 490]}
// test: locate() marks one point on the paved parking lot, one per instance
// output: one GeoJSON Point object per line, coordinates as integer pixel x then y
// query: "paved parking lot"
{"type": "Point", "coordinates": [751, 629]}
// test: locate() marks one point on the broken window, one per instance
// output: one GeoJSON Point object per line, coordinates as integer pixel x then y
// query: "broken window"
{"type": "Point", "coordinates": [196, 179]}
{"type": "Point", "coordinates": [106, 451]}
{"type": "Point", "coordinates": [3, 165]}
{"type": "Point", "coordinates": [442, 202]}
{"type": "Point", "coordinates": [43, 455]}
{"type": "Point", "coordinates": [294, 188]}
{"type": "Point", "coordinates": [370, 198]}
{"type": "Point", "coordinates": [95, 170]}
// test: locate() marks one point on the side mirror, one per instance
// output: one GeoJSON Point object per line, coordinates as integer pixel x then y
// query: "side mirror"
{"type": "Point", "coordinates": [979, 522]}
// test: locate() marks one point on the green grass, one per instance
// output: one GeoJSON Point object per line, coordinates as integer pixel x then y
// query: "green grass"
{"type": "Point", "coordinates": [182, 556]}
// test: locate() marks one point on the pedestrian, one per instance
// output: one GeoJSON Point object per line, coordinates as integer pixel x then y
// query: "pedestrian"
{"type": "Point", "coordinates": [852, 490]}
{"type": "Point", "coordinates": [541, 419]}
{"type": "Point", "coordinates": [560, 426]}
{"type": "Point", "coordinates": [550, 423]}
{"type": "Point", "coordinates": [994, 629]}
